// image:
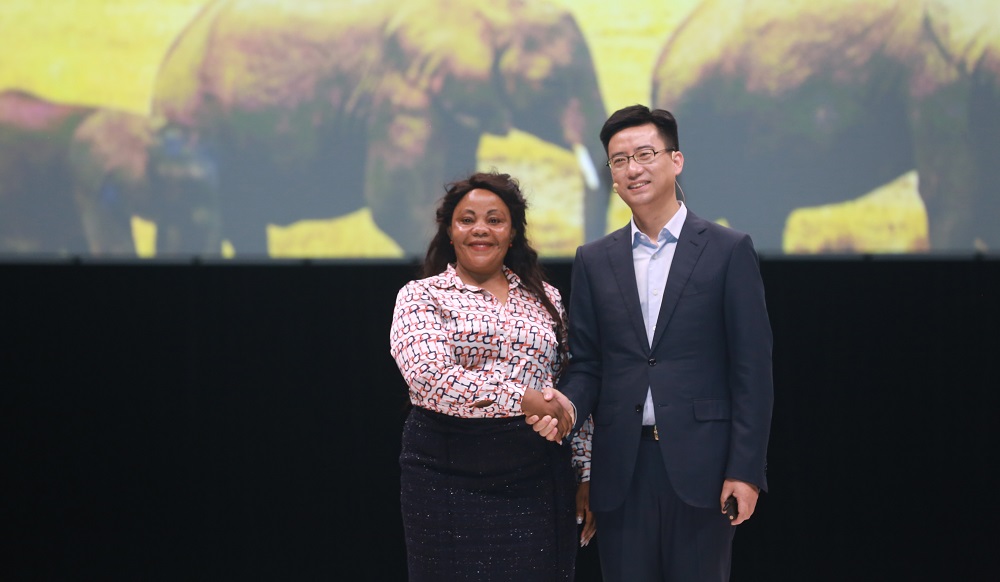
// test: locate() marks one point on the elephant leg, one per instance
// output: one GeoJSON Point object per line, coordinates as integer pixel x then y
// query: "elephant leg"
{"type": "Point", "coordinates": [36, 210]}
{"type": "Point", "coordinates": [182, 180]}
{"type": "Point", "coordinates": [40, 218]}
{"type": "Point", "coordinates": [105, 219]}
{"type": "Point", "coordinates": [984, 112]}
{"type": "Point", "coordinates": [947, 166]}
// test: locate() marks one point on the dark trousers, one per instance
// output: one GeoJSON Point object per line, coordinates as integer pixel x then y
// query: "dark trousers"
{"type": "Point", "coordinates": [656, 537]}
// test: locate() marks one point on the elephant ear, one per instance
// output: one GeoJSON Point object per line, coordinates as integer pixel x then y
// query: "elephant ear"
{"type": "Point", "coordinates": [446, 58]}
{"type": "Point", "coordinates": [115, 142]}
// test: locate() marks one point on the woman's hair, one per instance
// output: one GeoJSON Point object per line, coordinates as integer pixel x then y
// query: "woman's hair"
{"type": "Point", "coordinates": [520, 258]}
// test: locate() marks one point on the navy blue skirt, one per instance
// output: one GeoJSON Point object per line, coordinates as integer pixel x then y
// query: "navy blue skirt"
{"type": "Point", "coordinates": [485, 499]}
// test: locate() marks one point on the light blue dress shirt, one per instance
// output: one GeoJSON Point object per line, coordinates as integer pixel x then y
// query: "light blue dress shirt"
{"type": "Point", "coordinates": [651, 261]}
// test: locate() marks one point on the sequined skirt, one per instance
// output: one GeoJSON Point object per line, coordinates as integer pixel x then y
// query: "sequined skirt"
{"type": "Point", "coordinates": [485, 500]}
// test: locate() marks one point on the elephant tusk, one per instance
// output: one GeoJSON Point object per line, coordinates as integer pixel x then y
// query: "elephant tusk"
{"type": "Point", "coordinates": [586, 166]}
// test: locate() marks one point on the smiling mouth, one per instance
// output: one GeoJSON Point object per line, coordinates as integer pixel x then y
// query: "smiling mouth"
{"type": "Point", "coordinates": [638, 185]}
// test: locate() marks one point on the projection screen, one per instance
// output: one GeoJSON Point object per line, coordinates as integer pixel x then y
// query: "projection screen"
{"type": "Point", "coordinates": [329, 129]}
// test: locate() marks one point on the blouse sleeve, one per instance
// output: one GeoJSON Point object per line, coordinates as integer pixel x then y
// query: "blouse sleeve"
{"type": "Point", "coordinates": [419, 343]}
{"type": "Point", "coordinates": [581, 450]}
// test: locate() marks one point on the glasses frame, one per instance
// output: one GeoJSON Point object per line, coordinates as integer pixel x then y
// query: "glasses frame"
{"type": "Point", "coordinates": [633, 157]}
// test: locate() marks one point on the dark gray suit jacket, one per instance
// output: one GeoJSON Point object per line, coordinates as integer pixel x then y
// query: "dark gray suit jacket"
{"type": "Point", "coordinates": [709, 366]}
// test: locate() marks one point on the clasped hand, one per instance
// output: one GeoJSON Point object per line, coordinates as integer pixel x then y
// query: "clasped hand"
{"type": "Point", "coordinates": [549, 412]}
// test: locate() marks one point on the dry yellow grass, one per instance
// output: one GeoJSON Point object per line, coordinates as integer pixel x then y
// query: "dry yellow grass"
{"type": "Point", "coordinates": [890, 219]}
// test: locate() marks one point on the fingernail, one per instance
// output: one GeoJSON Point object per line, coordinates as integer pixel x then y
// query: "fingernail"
{"type": "Point", "coordinates": [579, 520]}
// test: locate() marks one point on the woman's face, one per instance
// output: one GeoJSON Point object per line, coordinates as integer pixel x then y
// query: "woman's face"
{"type": "Point", "coordinates": [481, 232]}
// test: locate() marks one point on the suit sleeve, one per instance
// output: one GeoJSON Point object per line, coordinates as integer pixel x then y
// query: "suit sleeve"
{"type": "Point", "coordinates": [749, 344]}
{"type": "Point", "coordinates": [582, 381]}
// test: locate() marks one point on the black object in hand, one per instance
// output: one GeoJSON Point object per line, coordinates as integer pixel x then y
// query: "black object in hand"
{"type": "Point", "coordinates": [731, 508]}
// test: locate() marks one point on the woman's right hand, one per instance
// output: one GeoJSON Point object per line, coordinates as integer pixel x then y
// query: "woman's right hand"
{"type": "Point", "coordinates": [536, 408]}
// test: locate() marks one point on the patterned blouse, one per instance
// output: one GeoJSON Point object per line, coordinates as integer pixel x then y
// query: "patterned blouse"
{"type": "Point", "coordinates": [457, 345]}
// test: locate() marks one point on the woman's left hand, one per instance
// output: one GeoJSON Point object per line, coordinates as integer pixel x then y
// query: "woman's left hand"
{"type": "Point", "coordinates": [583, 514]}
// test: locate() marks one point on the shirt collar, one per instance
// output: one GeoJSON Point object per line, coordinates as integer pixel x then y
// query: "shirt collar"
{"type": "Point", "coordinates": [671, 228]}
{"type": "Point", "coordinates": [449, 278]}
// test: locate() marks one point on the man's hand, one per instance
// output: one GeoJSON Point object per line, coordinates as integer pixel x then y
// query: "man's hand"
{"type": "Point", "coordinates": [746, 495]}
{"type": "Point", "coordinates": [549, 413]}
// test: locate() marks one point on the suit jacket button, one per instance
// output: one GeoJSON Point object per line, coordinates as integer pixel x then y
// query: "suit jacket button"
{"type": "Point", "coordinates": [652, 361]}
{"type": "Point", "coordinates": [638, 408]}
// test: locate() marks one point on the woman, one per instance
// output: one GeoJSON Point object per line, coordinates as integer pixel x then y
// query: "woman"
{"type": "Point", "coordinates": [483, 497]}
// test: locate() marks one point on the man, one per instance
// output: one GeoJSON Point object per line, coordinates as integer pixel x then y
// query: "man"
{"type": "Point", "coordinates": [671, 353]}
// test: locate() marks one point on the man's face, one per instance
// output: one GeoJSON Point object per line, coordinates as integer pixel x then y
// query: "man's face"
{"type": "Point", "coordinates": [649, 186]}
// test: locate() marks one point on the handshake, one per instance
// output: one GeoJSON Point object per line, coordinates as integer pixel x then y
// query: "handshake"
{"type": "Point", "coordinates": [549, 412]}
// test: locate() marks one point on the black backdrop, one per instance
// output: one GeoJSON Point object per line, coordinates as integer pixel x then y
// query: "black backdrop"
{"type": "Point", "coordinates": [241, 422]}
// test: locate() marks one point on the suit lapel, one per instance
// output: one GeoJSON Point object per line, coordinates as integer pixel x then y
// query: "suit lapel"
{"type": "Point", "coordinates": [689, 248]}
{"type": "Point", "coordinates": [622, 265]}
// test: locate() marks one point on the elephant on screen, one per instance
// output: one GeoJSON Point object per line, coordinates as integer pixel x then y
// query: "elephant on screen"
{"type": "Point", "coordinates": [124, 166]}
{"type": "Point", "coordinates": [786, 105]}
{"type": "Point", "coordinates": [73, 177]}
{"type": "Point", "coordinates": [317, 108]}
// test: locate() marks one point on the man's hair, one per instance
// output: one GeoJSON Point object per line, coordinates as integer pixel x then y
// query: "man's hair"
{"type": "Point", "coordinates": [635, 115]}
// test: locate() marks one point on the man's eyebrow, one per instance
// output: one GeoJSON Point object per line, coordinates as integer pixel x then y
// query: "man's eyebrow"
{"type": "Point", "coordinates": [642, 147]}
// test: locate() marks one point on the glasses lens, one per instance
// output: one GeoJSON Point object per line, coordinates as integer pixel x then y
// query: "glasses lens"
{"type": "Point", "coordinates": [645, 156]}
{"type": "Point", "coordinates": [619, 162]}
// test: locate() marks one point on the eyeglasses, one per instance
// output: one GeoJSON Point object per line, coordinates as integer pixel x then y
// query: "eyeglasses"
{"type": "Point", "coordinates": [641, 157]}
